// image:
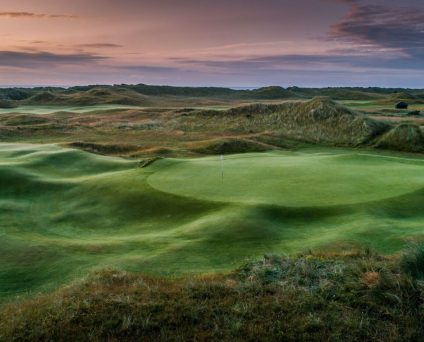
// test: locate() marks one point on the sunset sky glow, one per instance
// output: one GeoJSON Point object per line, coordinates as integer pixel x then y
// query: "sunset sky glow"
{"type": "Point", "coordinates": [236, 43]}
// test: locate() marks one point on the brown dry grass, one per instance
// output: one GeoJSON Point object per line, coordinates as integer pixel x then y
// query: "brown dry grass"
{"type": "Point", "coordinates": [355, 297]}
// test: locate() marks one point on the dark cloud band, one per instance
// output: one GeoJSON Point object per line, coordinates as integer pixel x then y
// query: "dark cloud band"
{"type": "Point", "coordinates": [388, 26]}
{"type": "Point", "coordinates": [36, 15]}
{"type": "Point", "coordinates": [37, 59]}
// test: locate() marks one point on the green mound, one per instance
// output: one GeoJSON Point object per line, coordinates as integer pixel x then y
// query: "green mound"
{"type": "Point", "coordinates": [323, 120]}
{"type": "Point", "coordinates": [403, 95]}
{"type": "Point", "coordinates": [404, 137]}
{"type": "Point", "coordinates": [94, 96]}
{"type": "Point", "coordinates": [319, 120]}
{"type": "Point", "coordinates": [45, 97]}
{"type": "Point", "coordinates": [273, 92]}
{"type": "Point", "coordinates": [65, 212]}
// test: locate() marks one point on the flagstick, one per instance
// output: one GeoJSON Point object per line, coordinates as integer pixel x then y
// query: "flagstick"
{"type": "Point", "coordinates": [222, 168]}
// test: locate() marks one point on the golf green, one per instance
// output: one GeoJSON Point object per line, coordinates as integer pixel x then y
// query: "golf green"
{"type": "Point", "coordinates": [292, 179]}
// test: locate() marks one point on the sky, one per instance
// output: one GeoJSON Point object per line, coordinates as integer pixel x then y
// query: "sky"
{"type": "Point", "coordinates": [233, 43]}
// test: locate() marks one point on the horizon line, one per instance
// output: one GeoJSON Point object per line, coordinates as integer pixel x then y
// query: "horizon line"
{"type": "Point", "coordinates": [32, 86]}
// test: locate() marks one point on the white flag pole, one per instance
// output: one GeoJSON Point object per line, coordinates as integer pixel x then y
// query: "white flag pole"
{"type": "Point", "coordinates": [222, 168]}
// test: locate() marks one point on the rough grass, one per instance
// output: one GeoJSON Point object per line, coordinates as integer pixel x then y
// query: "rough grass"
{"type": "Point", "coordinates": [404, 137]}
{"type": "Point", "coordinates": [319, 120]}
{"type": "Point", "coordinates": [174, 131]}
{"type": "Point", "coordinates": [312, 297]}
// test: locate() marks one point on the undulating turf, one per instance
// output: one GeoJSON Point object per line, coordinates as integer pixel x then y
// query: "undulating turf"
{"type": "Point", "coordinates": [64, 212]}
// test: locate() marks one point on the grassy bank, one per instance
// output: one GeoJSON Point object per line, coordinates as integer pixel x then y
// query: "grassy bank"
{"type": "Point", "coordinates": [312, 297]}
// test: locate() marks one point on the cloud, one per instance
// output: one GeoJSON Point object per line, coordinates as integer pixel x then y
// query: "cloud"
{"type": "Point", "coordinates": [395, 27]}
{"type": "Point", "coordinates": [336, 60]}
{"type": "Point", "coordinates": [41, 58]}
{"type": "Point", "coordinates": [373, 36]}
{"type": "Point", "coordinates": [148, 68]}
{"type": "Point", "coordinates": [99, 45]}
{"type": "Point", "coordinates": [36, 15]}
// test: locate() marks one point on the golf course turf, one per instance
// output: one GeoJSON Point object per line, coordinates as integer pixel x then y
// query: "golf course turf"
{"type": "Point", "coordinates": [66, 212]}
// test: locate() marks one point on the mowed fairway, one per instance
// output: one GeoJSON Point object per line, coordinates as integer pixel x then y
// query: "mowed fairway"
{"type": "Point", "coordinates": [65, 212]}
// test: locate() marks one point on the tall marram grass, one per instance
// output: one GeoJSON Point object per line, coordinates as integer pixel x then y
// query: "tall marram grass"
{"type": "Point", "coordinates": [412, 262]}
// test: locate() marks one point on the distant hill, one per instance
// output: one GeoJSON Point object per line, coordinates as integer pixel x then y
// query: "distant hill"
{"type": "Point", "coordinates": [339, 93]}
{"type": "Point", "coordinates": [139, 94]}
{"type": "Point", "coordinates": [403, 95]}
{"type": "Point", "coordinates": [93, 96]}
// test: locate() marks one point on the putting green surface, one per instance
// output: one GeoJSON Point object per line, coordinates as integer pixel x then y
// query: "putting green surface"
{"type": "Point", "coordinates": [65, 212]}
{"type": "Point", "coordinates": [293, 180]}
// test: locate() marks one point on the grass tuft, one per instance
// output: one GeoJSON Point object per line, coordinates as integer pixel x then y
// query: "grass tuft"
{"type": "Point", "coordinates": [413, 261]}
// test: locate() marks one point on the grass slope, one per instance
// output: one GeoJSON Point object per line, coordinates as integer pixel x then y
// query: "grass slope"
{"type": "Point", "coordinates": [65, 212]}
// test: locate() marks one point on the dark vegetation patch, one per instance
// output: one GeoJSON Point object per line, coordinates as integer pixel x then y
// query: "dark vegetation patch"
{"type": "Point", "coordinates": [24, 120]}
{"type": "Point", "coordinates": [230, 146]}
{"type": "Point", "coordinates": [7, 104]}
{"type": "Point", "coordinates": [156, 152]}
{"type": "Point", "coordinates": [356, 296]}
{"type": "Point", "coordinates": [108, 149]}
{"type": "Point", "coordinates": [402, 105]}
{"type": "Point", "coordinates": [184, 110]}
{"type": "Point", "coordinates": [6, 132]}
{"type": "Point", "coordinates": [147, 162]}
